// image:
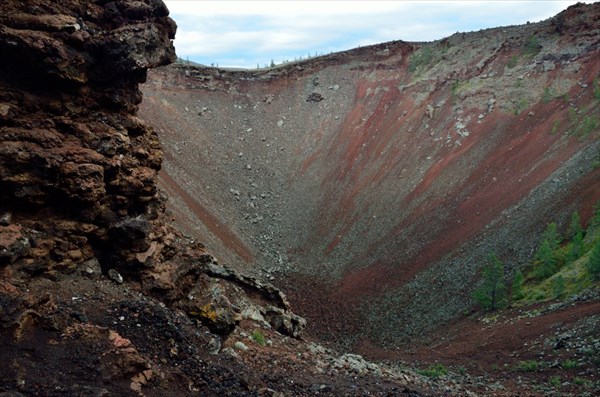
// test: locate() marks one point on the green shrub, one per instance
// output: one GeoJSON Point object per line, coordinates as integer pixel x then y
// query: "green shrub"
{"type": "Point", "coordinates": [455, 86]}
{"type": "Point", "coordinates": [512, 62]}
{"type": "Point", "coordinates": [532, 47]}
{"type": "Point", "coordinates": [555, 127]}
{"type": "Point", "coordinates": [580, 381]}
{"type": "Point", "coordinates": [520, 105]}
{"type": "Point", "coordinates": [421, 57]}
{"type": "Point", "coordinates": [588, 124]}
{"type": "Point", "coordinates": [555, 381]}
{"type": "Point", "coordinates": [258, 337]}
{"type": "Point", "coordinates": [548, 95]}
{"type": "Point", "coordinates": [434, 371]}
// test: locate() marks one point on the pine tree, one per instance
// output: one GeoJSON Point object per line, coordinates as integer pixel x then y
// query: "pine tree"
{"type": "Point", "coordinates": [551, 236]}
{"type": "Point", "coordinates": [574, 226]}
{"type": "Point", "coordinates": [272, 64]}
{"type": "Point", "coordinates": [595, 221]}
{"type": "Point", "coordinates": [517, 286]}
{"type": "Point", "coordinates": [558, 286]}
{"type": "Point", "coordinates": [547, 261]}
{"type": "Point", "coordinates": [576, 249]}
{"type": "Point", "coordinates": [593, 264]}
{"type": "Point", "coordinates": [492, 293]}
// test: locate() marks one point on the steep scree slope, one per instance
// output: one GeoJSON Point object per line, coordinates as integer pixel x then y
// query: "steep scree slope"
{"type": "Point", "coordinates": [372, 184]}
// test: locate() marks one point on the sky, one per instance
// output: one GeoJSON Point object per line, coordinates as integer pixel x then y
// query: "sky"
{"type": "Point", "coordinates": [244, 34]}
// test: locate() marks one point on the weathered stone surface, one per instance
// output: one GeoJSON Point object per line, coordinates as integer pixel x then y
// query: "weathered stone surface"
{"type": "Point", "coordinates": [70, 145]}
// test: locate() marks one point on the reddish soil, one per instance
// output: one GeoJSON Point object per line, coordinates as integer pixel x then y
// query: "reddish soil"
{"type": "Point", "coordinates": [495, 350]}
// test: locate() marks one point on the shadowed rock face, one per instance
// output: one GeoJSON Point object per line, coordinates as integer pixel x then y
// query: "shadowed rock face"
{"type": "Point", "coordinates": [372, 184]}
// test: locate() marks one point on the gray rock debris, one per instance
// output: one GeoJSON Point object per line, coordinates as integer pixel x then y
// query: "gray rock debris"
{"type": "Point", "coordinates": [5, 219]}
{"type": "Point", "coordinates": [115, 276]}
{"type": "Point", "coordinates": [314, 97]}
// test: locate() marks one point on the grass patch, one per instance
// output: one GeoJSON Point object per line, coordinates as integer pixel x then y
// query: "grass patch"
{"type": "Point", "coordinates": [587, 125]}
{"type": "Point", "coordinates": [555, 381]}
{"type": "Point", "coordinates": [512, 62]}
{"type": "Point", "coordinates": [548, 94]}
{"type": "Point", "coordinates": [582, 382]}
{"type": "Point", "coordinates": [555, 127]}
{"type": "Point", "coordinates": [519, 106]}
{"type": "Point", "coordinates": [528, 366]}
{"type": "Point", "coordinates": [569, 364]}
{"type": "Point", "coordinates": [455, 86]}
{"type": "Point", "coordinates": [258, 337]}
{"type": "Point", "coordinates": [571, 279]}
{"type": "Point", "coordinates": [426, 56]}
{"type": "Point", "coordinates": [434, 371]}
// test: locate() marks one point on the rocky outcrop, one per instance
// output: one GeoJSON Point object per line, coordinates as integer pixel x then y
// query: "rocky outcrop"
{"type": "Point", "coordinates": [79, 200]}
{"type": "Point", "coordinates": [77, 168]}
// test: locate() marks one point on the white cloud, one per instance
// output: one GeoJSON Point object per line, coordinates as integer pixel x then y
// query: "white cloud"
{"type": "Point", "coordinates": [252, 32]}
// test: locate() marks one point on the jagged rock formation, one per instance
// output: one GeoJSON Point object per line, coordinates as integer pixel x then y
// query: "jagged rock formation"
{"type": "Point", "coordinates": [82, 230]}
{"type": "Point", "coordinates": [77, 168]}
{"type": "Point", "coordinates": [381, 178]}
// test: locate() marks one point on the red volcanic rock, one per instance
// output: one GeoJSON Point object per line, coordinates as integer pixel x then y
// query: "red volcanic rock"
{"type": "Point", "coordinates": [71, 148]}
